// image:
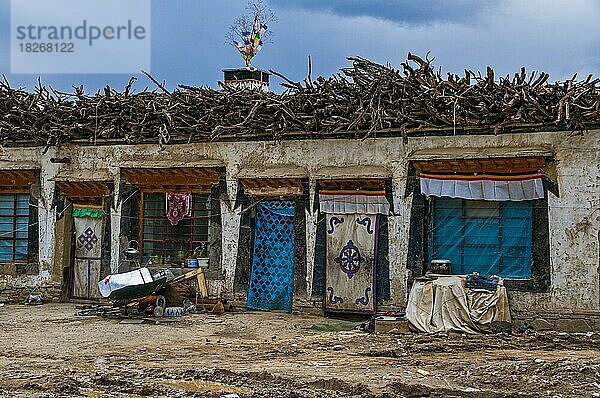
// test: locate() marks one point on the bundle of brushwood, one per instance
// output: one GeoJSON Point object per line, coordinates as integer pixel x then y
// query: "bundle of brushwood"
{"type": "Point", "coordinates": [364, 100]}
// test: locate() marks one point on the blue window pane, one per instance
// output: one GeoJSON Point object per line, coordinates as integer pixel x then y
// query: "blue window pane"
{"type": "Point", "coordinates": [6, 224]}
{"type": "Point", "coordinates": [491, 238]}
{"type": "Point", "coordinates": [22, 200]}
{"type": "Point", "coordinates": [20, 250]}
{"type": "Point", "coordinates": [480, 233]}
{"type": "Point", "coordinates": [516, 267]}
{"type": "Point", "coordinates": [6, 199]}
{"type": "Point", "coordinates": [21, 253]}
{"type": "Point", "coordinates": [22, 205]}
{"type": "Point", "coordinates": [6, 249]}
{"type": "Point", "coordinates": [7, 211]}
{"type": "Point", "coordinates": [21, 256]}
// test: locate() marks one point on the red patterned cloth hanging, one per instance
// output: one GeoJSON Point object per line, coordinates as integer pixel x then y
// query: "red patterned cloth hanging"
{"type": "Point", "coordinates": [179, 205]}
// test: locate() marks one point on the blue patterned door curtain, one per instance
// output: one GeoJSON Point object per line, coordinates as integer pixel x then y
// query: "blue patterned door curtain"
{"type": "Point", "coordinates": [272, 277]}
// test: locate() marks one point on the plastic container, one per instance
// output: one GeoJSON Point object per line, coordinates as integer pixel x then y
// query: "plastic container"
{"type": "Point", "coordinates": [159, 311]}
{"type": "Point", "coordinates": [442, 266]}
{"type": "Point", "coordinates": [191, 263]}
{"type": "Point", "coordinates": [202, 262]}
{"type": "Point", "coordinates": [174, 311]}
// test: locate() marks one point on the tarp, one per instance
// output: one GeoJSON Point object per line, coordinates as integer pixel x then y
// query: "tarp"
{"type": "Point", "coordinates": [118, 281]}
{"type": "Point", "coordinates": [444, 305]}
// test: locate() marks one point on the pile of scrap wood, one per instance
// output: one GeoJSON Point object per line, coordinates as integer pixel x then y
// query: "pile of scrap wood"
{"type": "Point", "coordinates": [365, 99]}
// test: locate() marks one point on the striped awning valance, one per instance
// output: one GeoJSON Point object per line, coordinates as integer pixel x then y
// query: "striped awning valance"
{"type": "Point", "coordinates": [353, 202]}
{"type": "Point", "coordinates": [515, 187]}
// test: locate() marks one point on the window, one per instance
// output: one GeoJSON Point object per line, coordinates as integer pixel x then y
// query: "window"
{"type": "Point", "coordinates": [14, 226]}
{"type": "Point", "coordinates": [492, 238]}
{"type": "Point", "coordinates": [167, 244]}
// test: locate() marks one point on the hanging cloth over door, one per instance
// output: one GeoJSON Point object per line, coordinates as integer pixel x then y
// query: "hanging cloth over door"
{"type": "Point", "coordinates": [351, 238]}
{"type": "Point", "coordinates": [272, 277]}
{"type": "Point", "coordinates": [350, 269]}
{"type": "Point", "coordinates": [88, 244]}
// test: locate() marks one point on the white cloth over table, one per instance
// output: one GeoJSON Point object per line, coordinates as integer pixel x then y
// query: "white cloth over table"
{"type": "Point", "coordinates": [444, 304]}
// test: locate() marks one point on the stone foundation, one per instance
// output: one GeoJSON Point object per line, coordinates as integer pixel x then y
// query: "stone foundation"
{"type": "Point", "coordinates": [14, 289]}
{"type": "Point", "coordinates": [571, 321]}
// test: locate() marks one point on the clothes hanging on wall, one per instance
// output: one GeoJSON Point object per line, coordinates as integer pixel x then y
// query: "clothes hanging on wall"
{"type": "Point", "coordinates": [179, 205]}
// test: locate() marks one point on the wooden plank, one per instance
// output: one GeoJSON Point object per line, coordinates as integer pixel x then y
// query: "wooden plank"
{"type": "Point", "coordinates": [83, 189]}
{"type": "Point", "coordinates": [496, 165]}
{"type": "Point", "coordinates": [202, 289]}
{"type": "Point", "coordinates": [177, 176]}
{"type": "Point", "coordinates": [363, 183]}
{"type": "Point", "coordinates": [272, 187]}
{"type": "Point", "coordinates": [17, 178]}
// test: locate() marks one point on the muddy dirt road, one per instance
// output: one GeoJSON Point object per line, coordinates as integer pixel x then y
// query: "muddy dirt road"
{"type": "Point", "coordinates": [46, 351]}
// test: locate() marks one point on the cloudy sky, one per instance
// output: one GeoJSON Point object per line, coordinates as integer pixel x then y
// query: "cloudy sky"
{"type": "Point", "coordinates": [561, 37]}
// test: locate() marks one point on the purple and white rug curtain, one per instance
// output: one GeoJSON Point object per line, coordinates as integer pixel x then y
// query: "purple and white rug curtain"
{"type": "Point", "coordinates": [350, 268]}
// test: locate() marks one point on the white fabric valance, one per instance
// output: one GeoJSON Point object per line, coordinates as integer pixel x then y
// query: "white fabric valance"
{"type": "Point", "coordinates": [353, 204]}
{"type": "Point", "coordinates": [484, 189]}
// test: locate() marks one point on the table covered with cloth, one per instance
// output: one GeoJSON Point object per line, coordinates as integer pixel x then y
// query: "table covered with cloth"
{"type": "Point", "coordinates": [445, 304]}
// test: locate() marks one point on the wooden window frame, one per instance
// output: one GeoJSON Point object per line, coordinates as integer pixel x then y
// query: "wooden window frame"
{"type": "Point", "coordinates": [14, 192]}
{"type": "Point", "coordinates": [191, 241]}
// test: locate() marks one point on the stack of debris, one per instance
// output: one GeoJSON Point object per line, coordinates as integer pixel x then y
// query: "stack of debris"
{"type": "Point", "coordinates": [139, 294]}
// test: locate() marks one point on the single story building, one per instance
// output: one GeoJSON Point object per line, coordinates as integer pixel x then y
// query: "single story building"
{"type": "Point", "coordinates": [334, 223]}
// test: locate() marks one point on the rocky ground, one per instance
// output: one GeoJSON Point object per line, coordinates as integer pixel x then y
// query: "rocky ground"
{"type": "Point", "coordinates": [47, 351]}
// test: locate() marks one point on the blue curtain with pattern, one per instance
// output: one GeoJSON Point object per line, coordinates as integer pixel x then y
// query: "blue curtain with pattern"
{"type": "Point", "coordinates": [272, 277]}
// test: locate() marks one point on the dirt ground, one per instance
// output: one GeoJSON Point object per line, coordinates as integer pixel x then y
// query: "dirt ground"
{"type": "Point", "coordinates": [47, 351]}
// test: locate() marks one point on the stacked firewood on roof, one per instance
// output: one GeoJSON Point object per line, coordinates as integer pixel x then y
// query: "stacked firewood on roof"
{"type": "Point", "coordinates": [364, 100]}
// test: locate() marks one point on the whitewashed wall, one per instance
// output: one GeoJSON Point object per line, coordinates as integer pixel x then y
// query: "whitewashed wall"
{"type": "Point", "coordinates": [574, 216]}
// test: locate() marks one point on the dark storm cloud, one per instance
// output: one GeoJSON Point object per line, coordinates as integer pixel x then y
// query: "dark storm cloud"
{"type": "Point", "coordinates": [409, 12]}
